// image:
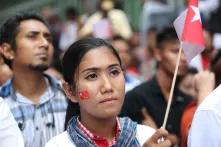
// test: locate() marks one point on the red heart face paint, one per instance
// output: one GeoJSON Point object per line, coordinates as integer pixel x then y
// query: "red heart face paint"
{"type": "Point", "coordinates": [84, 95]}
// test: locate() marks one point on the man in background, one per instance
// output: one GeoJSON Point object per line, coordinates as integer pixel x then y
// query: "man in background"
{"type": "Point", "coordinates": [149, 100]}
{"type": "Point", "coordinates": [36, 100]}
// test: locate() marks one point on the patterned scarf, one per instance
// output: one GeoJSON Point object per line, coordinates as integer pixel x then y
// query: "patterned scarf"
{"type": "Point", "coordinates": [127, 136]}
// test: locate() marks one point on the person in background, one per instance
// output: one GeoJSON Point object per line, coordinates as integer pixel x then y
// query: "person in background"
{"type": "Point", "coordinates": [155, 13]}
{"type": "Point", "coordinates": [51, 15]}
{"type": "Point", "coordinates": [205, 127]}
{"type": "Point", "coordinates": [5, 71]}
{"type": "Point", "coordinates": [131, 76]}
{"type": "Point", "coordinates": [97, 88]}
{"type": "Point", "coordinates": [187, 82]}
{"type": "Point", "coordinates": [216, 66]}
{"type": "Point", "coordinates": [208, 111]}
{"type": "Point", "coordinates": [149, 59]}
{"type": "Point", "coordinates": [153, 94]}
{"type": "Point", "coordinates": [201, 85]}
{"type": "Point", "coordinates": [36, 100]}
{"type": "Point", "coordinates": [69, 33]}
{"type": "Point", "coordinates": [10, 134]}
{"type": "Point", "coordinates": [208, 7]}
{"type": "Point", "coordinates": [103, 27]}
{"type": "Point", "coordinates": [202, 61]}
{"type": "Point", "coordinates": [118, 20]}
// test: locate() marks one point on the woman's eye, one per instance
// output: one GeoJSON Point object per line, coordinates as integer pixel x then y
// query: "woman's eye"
{"type": "Point", "coordinates": [91, 77]}
{"type": "Point", "coordinates": [115, 73]}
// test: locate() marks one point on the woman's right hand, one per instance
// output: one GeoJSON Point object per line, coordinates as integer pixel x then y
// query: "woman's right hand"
{"type": "Point", "coordinates": [158, 139]}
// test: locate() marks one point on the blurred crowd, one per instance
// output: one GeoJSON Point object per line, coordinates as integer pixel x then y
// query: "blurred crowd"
{"type": "Point", "coordinates": [148, 58]}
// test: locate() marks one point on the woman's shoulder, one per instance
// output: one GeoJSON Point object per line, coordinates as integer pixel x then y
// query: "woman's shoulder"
{"type": "Point", "coordinates": [60, 140]}
{"type": "Point", "coordinates": [144, 133]}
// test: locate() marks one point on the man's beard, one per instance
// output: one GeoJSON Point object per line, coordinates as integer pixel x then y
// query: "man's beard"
{"type": "Point", "coordinates": [40, 67]}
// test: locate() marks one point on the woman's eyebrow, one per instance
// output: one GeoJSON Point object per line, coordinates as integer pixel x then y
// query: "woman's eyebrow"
{"type": "Point", "coordinates": [90, 69]}
{"type": "Point", "coordinates": [96, 68]}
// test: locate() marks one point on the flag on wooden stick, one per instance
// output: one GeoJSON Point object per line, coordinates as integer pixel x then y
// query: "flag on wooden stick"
{"type": "Point", "coordinates": [188, 26]}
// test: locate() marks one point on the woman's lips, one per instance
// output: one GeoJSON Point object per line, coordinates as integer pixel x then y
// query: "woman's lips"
{"type": "Point", "coordinates": [108, 100]}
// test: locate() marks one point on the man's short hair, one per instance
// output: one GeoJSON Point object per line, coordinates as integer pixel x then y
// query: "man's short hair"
{"type": "Point", "coordinates": [168, 34]}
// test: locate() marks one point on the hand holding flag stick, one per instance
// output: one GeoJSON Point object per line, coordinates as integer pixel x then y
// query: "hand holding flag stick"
{"type": "Point", "coordinates": [190, 33]}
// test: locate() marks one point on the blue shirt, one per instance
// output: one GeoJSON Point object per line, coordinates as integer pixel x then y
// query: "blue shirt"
{"type": "Point", "coordinates": [38, 122]}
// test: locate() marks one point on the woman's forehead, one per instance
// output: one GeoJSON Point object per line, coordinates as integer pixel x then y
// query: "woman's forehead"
{"type": "Point", "coordinates": [98, 57]}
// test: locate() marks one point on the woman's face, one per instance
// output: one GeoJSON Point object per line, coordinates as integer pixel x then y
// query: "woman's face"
{"type": "Point", "coordinates": [100, 84]}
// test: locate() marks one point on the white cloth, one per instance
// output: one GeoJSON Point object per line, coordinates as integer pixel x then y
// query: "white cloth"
{"type": "Point", "coordinates": [63, 140]}
{"type": "Point", "coordinates": [217, 40]}
{"type": "Point", "coordinates": [118, 19]}
{"type": "Point", "coordinates": [196, 62]}
{"type": "Point", "coordinates": [208, 6]}
{"type": "Point", "coordinates": [131, 81]}
{"type": "Point", "coordinates": [68, 35]}
{"type": "Point", "coordinates": [206, 126]}
{"type": "Point", "coordinates": [10, 135]}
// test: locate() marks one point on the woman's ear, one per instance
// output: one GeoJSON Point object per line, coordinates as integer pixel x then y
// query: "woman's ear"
{"type": "Point", "coordinates": [7, 51]}
{"type": "Point", "coordinates": [69, 92]}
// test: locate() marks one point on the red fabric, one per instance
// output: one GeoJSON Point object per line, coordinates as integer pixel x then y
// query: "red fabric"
{"type": "Point", "coordinates": [100, 141]}
{"type": "Point", "coordinates": [205, 62]}
{"type": "Point", "coordinates": [186, 121]}
{"type": "Point", "coordinates": [193, 31]}
{"type": "Point", "coordinates": [133, 70]}
{"type": "Point", "coordinates": [189, 30]}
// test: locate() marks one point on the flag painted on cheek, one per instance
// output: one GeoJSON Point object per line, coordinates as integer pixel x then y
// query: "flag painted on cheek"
{"type": "Point", "coordinates": [84, 95]}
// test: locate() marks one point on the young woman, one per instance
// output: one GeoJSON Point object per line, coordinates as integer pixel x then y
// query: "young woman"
{"type": "Point", "coordinates": [94, 83]}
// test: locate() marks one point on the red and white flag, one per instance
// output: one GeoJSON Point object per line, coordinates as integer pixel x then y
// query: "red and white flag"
{"type": "Point", "coordinates": [188, 26]}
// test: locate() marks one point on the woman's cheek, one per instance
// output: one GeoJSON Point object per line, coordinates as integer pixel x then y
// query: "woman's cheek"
{"type": "Point", "coordinates": [84, 95]}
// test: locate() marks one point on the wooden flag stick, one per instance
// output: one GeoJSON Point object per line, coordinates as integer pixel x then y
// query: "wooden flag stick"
{"type": "Point", "coordinates": [172, 88]}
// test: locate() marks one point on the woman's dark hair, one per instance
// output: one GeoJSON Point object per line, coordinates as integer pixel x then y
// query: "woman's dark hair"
{"type": "Point", "coordinates": [71, 61]}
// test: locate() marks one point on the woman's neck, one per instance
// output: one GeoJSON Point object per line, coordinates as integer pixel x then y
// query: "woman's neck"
{"type": "Point", "coordinates": [105, 128]}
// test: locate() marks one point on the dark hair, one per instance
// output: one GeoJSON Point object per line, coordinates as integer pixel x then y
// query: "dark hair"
{"type": "Point", "coordinates": [168, 34]}
{"type": "Point", "coordinates": [76, 52]}
{"type": "Point", "coordinates": [151, 29]}
{"type": "Point", "coordinates": [216, 58]}
{"type": "Point", "coordinates": [122, 39]}
{"type": "Point", "coordinates": [192, 70]}
{"type": "Point", "coordinates": [71, 62]}
{"type": "Point", "coordinates": [215, 66]}
{"type": "Point", "coordinates": [73, 109]}
{"type": "Point", "coordinates": [71, 13]}
{"type": "Point", "coordinates": [9, 29]}
{"type": "Point", "coordinates": [119, 37]}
